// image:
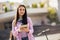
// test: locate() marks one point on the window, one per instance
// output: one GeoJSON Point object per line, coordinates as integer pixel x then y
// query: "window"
{"type": "Point", "coordinates": [53, 3]}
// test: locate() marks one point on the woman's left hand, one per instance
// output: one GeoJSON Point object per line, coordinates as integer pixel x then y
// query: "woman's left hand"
{"type": "Point", "coordinates": [26, 29]}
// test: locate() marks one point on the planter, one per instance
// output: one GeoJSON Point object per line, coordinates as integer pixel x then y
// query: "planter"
{"type": "Point", "coordinates": [34, 5]}
{"type": "Point", "coordinates": [42, 4]}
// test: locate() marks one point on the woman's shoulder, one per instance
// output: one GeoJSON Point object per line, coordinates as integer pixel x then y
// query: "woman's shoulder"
{"type": "Point", "coordinates": [28, 18]}
{"type": "Point", "coordinates": [13, 21]}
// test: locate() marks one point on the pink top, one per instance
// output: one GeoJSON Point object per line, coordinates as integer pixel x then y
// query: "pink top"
{"type": "Point", "coordinates": [18, 35]}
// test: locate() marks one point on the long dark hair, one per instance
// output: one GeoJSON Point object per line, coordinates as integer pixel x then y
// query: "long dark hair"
{"type": "Point", "coordinates": [24, 17]}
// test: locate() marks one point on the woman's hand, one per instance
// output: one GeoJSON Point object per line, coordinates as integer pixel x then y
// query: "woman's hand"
{"type": "Point", "coordinates": [22, 29]}
{"type": "Point", "coordinates": [26, 29]}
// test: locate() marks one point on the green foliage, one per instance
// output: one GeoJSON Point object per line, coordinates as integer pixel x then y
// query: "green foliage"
{"type": "Point", "coordinates": [6, 9]}
{"type": "Point", "coordinates": [42, 4]}
{"type": "Point", "coordinates": [52, 16]}
{"type": "Point", "coordinates": [34, 5]}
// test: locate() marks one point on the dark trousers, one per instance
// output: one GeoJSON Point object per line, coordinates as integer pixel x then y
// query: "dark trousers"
{"type": "Point", "coordinates": [25, 38]}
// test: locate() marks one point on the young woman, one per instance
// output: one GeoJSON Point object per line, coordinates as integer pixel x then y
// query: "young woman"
{"type": "Point", "coordinates": [22, 27]}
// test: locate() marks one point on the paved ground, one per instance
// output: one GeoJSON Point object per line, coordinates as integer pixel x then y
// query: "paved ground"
{"type": "Point", "coordinates": [52, 29]}
{"type": "Point", "coordinates": [53, 32]}
{"type": "Point", "coordinates": [50, 37]}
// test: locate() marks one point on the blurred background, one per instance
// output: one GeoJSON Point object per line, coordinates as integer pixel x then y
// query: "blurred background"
{"type": "Point", "coordinates": [45, 15]}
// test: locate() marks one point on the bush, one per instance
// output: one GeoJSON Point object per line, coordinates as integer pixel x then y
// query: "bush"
{"type": "Point", "coordinates": [6, 10]}
{"type": "Point", "coordinates": [52, 16]}
{"type": "Point", "coordinates": [42, 4]}
{"type": "Point", "coordinates": [34, 5]}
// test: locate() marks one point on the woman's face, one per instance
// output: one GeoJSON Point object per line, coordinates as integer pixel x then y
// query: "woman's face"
{"type": "Point", "coordinates": [21, 11]}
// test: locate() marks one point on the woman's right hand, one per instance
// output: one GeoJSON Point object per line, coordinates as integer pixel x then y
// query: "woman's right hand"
{"type": "Point", "coordinates": [20, 29]}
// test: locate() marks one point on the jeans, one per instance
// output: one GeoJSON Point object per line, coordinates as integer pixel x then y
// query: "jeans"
{"type": "Point", "coordinates": [25, 38]}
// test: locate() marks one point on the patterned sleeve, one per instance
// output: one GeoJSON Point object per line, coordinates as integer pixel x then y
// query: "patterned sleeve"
{"type": "Point", "coordinates": [14, 30]}
{"type": "Point", "coordinates": [30, 25]}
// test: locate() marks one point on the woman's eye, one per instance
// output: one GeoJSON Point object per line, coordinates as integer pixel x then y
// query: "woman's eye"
{"type": "Point", "coordinates": [20, 9]}
{"type": "Point", "coordinates": [23, 9]}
